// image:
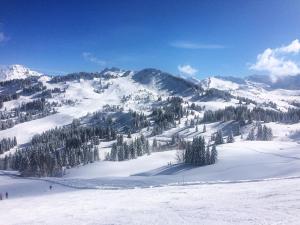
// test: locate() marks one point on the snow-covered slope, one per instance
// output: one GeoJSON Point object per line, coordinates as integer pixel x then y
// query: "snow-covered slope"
{"type": "Point", "coordinates": [139, 91]}
{"type": "Point", "coordinates": [218, 83]}
{"type": "Point", "coordinates": [256, 88]}
{"type": "Point", "coordinates": [164, 81]}
{"type": "Point", "coordinates": [160, 190]}
{"type": "Point", "coordinates": [87, 100]}
{"type": "Point", "coordinates": [116, 72]}
{"type": "Point", "coordinates": [16, 72]}
{"type": "Point", "coordinates": [251, 203]}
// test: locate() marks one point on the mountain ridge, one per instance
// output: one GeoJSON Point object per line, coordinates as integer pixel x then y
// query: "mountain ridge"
{"type": "Point", "coordinates": [148, 75]}
{"type": "Point", "coordinates": [16, 71]}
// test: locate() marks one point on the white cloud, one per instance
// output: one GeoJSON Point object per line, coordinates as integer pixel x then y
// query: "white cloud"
{"type": "Point", "coordinates": [276, 61]}
{"type": "Point", "coordinates": [294, 47]}
{"type": "Point", "coordinates": [91, 58]}
{"type": "Point", "coordinates": [187, 70]}
{"type": "Point", "coordinates": [191, 45]}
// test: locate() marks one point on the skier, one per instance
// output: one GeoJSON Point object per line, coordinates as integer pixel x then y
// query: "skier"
{"type": "Point", "coordinates": [50, 187]}
{"type": "Point", "coordinates": [6, 195]}
{"type": "Point", "coordinates": [0, 196]}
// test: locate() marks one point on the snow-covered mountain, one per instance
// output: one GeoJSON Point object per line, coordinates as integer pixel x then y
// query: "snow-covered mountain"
{"type": "Point", "coordinates": [46, 113]}
{"type": "Point", "coordinates": [164, 81]}
{"type": "Point", "coordinates": [137, 91]}
{"type": "Point", "coordinates": [49, 102]}
{"type": "Point", "coordinates": [16, 72]}
{"type": "Point", "coordinates": [115, 72]}
{"type": "Point", "coordinates": [218, 83]}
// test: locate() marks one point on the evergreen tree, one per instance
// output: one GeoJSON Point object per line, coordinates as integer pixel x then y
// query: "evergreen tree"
{"type": "Point", "coordinates": [259, 134]}
{"type": "Point", "coordinates": [207, 156]}
{"type": "Point", "coordinates": [219, 138]}
{"type": "Point", "coordinates": [147, 147]}
{"type": "Point", "coordinates": [196, 153]}
{"type": "Point", "coordinates": [230, 138]}
{"type": "Point", "coordinates": [251, 136]}
{"type": "Point", "coordinates": [204, 128]}
{"type": "Point", "coordinates": [132, 150]}
{"type": "Point", "coordinates": [114, 152]}
{"type": "Point", "coordinates": [267, 133]}
{"type": "Point", "coordinates": [154, 145]}
{"type": "Point", "coordinates": [214, 155]}
{"type": "Point", "coordinates": [238, 130]}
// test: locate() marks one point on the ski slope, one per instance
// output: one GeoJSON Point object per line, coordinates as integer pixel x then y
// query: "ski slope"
{"type": "Point", "coordinates": [239, 161]}
{"type": "Point", "coordinates": [264, 202]}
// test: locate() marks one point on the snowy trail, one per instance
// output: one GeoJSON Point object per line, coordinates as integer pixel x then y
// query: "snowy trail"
{"type": "Point", "coordinates": [182, 183]}
{"type": "Point", "coordinates": [279, 155]}
{"type": "Point", "coordinates": [85, 184]}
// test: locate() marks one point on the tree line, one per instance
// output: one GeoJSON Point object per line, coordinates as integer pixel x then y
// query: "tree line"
{"type": "Point", "coordinates": [7, 143]}
{"type": "Point", "coordinates": [52, 151]}
{"type": "Point", "coordinates": [260, 133]}
{"type": "Point", "coordinates": [242, 113]}
{"type": "Point", "coordinates": [13, 89]}
{"type": "Point", "coordinates": [35, 109]}
{"type": "Point", "coordinates": [121, 150]}
{"type": "Point", "coordinates": [198, 153]}
{"type": "Point", "coordinates": [165, 117]}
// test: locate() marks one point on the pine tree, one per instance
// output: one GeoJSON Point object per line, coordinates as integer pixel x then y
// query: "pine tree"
{"type": "Point", "coordinates": [214, 155]}
{"type": "Point", "coordinates": [188, 153]}
{"type": "Point", "coordinates": [251, 136]}
{"type": "Point", "coordinates": [192, 123]}
{"type": "Point", "coordinates": [259, 134]}
{"type": "Point", "coordinates": [238, 130]}
{"type": "Point", "coordinates": [132, 150]}
{"type": "Point", "coordinates": [147, 147]}
{"type": "Point", "coordinates": [154, 145]}
{"type": "Point", "coordinates": [15, 141]}
{"type": "Point", "coordinates": [230, 138]}
{"type": "Point", "coordinates": [120, 152]}
{"type": "Point", "coordinates": [138, 147]}
{"type": "Point", "coordinates": [114, 152]}
{"type": "Point", "coordinates": [267, 133]}
{"type": "Point", "coordinates": [96, 154]}
{"type": "Point", "coordinates": [219, 138]}
{"type": "Point", "coordinates": [207, 156]}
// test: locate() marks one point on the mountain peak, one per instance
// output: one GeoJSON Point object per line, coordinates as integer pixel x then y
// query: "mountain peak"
{"type": "Point", "coordinates": [115, 72]}
{"type": "Point", "coordinates": [219, 83]}
{"type": "Point", "coordinates": [16, 71]}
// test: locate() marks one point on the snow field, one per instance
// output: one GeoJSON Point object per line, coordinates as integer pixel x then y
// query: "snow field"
{"type": "Point", "coordinates": [267, 202]}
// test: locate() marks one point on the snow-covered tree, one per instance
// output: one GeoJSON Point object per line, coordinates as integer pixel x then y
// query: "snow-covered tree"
{"type": "Point", "coordinates": [219, 138]}
{"type": "Point", "coordinates": [230, 138]}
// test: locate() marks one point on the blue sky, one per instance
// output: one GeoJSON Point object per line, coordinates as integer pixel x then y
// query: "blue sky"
{"type": "Point", "coordinates": [198, 38]}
